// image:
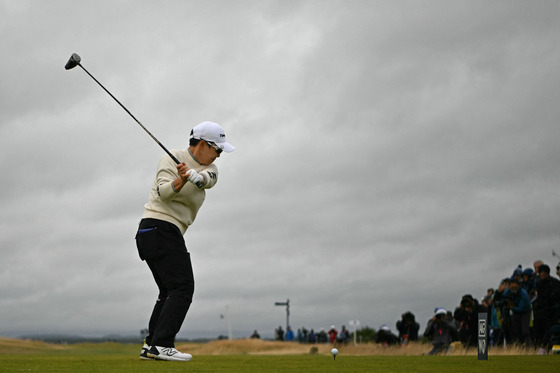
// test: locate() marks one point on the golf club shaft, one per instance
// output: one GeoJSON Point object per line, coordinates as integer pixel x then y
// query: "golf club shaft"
{"type": "Point", "coordinates": [133, 117]}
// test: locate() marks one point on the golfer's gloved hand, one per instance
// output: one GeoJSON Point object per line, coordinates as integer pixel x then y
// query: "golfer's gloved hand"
{"type": "Point", "coordinates": [194, 177]}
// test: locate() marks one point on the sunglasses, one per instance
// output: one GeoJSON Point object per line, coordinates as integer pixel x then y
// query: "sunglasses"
{"type": "Point", "coordinates": [216, 147]}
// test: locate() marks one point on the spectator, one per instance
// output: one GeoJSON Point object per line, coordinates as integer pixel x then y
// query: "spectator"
{"type": "Point", "coordinates": [322, 336]}
{"type": "Point", "coordinates": [255, 335]}
{"type": "Point", "coordinates": [343, 337]}
{"type": "Point", "coordinates": [279, 334]}
{"type": "Point", "coordinates": [289, 334]}
{"type": "Point", "coordinates": [332, 334]}
{"type": "Point", "coordinates": [537, 264]}
{"type": "Point", "coordinates": [305, 333]}
{"type": "Point", "coordinates": [529, 283]}
{"type": "Point", "coordinates": [558, 270]}
{"type": "Point", "coordinates": [502, 314]}
{"type": "Point", "coordinates": [467, 315]}
{"type": "Point", "coordinates": [495, 312]}
{"type": "Point", "coordinates": [450, 318]}
{"type": "Point", "coordinates": [486, 304]}
{"type": "Point", "coordinates": [300, 336]}
{"type": "Point", "coordinates": [487, 301]}
{"type": "Point", "coordinates": [441, 332]}
{"type": "Point", "coordinates": [385, 336]}
{"type": "Point", "coordinates": [495, 330]}
{"type": "Point", "coordinates": [407, 327]}
{"type": "Point", "coordinates": [519, 306]}
{"type": "Point", "coordinates": [312, 337]}
{"type": "Point", "coordinates": [518, 274]}
{"type": "Point", "coordinates": [546, 309]}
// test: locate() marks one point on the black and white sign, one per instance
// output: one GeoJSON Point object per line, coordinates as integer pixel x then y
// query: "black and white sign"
{"type": "Point", "coordinates": [482, 336]}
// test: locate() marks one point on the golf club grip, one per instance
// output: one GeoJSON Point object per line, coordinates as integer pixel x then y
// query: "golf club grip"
{"type": "Point", "coordinates": [199, 184]}
{"type": "Point", "coordinates": [175, 159]}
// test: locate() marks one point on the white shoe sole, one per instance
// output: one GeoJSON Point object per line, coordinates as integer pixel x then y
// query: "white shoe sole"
{"type": "Point", "coordinates": [168, 358]}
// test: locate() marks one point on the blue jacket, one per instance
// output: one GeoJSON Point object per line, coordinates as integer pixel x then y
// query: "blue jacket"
{"type": "Point", "coordinates": [521, 301]}
{"type": "Point", "coordinates": [494, 321]}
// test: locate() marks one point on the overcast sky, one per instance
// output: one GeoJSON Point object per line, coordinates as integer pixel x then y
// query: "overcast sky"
{"type": "Point", "coordinates": [391, 157]}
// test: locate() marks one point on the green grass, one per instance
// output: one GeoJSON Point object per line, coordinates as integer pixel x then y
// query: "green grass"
{"type": "Point", "coordinates": [111, 357]}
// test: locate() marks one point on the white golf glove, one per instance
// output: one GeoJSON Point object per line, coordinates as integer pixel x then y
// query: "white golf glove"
{"type": "Point", "coordinates": [195, 178]}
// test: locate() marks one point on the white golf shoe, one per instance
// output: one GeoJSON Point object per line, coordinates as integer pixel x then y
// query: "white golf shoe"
{"type": "Point", "coordinates": [168, 353]}
{"type": "Point", "coordinates": [144, 352]}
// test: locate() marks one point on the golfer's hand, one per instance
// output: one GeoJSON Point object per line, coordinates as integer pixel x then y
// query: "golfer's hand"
{"type": "Point", "coordinates": [182, 170]}
{"type": "Point", "coordinates": [195, 178]}
{"type": "Point", "coordinates": [180, 182]}
{"type": "Point", "coordinates": [186, 175]}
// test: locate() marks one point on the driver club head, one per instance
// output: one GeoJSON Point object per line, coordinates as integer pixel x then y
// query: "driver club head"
{"type": "Point", "coordinates": [73, 61]}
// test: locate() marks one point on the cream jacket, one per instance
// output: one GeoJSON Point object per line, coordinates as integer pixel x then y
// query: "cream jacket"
{"type": "Point", "coordinates": [179, 208]}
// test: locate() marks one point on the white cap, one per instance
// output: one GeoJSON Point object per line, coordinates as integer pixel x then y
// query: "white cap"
{"type": "Point", "coordinates": [212, 132]}
{"type": "Point", "coordinates": [441, 311]}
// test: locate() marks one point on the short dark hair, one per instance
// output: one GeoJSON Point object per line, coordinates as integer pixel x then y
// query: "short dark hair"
{"type": "Point", "coordinates": [193, 141]}
{"type": "Point", "coordinates": [544, 268]}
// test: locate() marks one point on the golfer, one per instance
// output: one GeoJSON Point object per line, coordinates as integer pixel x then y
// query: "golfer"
{"type": "Point", "coordinates": [176, 196]}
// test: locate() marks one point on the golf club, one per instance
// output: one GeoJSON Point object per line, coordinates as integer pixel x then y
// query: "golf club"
{"type": "Point", "coordinates": [75, 61]}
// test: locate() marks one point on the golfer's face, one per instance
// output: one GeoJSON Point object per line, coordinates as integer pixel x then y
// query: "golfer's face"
{"type": "Point", "coordinates": [208, 153]}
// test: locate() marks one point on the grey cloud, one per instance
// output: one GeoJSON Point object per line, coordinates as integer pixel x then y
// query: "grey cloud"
{"type": "Point", "coordinates": [390, 157]}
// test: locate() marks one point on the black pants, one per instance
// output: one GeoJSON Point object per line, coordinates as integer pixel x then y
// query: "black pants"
{"type": "Point", "coordinates": [162, 246]}
{"type": "Point", "coordinates": [520, 332]}
{"type": "Point", "coordinates": [542, 330]}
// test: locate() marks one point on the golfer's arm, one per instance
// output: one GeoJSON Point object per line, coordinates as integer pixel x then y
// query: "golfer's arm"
{"type": "Point", "coordinates": [178, 184]}
{"type": "Point", "coordinates": [210, 178]}
{"type": "Point", "coordinates": [169, 183]}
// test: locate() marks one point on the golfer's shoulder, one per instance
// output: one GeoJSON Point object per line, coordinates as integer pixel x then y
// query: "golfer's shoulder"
{"type": "Point", "coordinates": [184, 156]}
{"type": "Point", "coordinates": [181, 154]}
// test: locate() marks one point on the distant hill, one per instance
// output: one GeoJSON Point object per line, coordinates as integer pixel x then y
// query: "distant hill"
{"type": "Point", "coordinates": [72, 339]}
{"type": "Point", "coordinates": [14, 346]}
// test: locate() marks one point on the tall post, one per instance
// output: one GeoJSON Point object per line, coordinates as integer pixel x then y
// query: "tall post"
{"type": "Point", "coordinates": [355, 324]}
{"type": "Point", "coordinates": [230, 334]}
{"type": "Point", "coordinates": [287, 304]}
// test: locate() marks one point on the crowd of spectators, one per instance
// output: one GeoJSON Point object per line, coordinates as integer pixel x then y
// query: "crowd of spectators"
{"type": "Point", "coordinates": [523, 310]}
{"type": "Point", "coordinates": [304, 335]}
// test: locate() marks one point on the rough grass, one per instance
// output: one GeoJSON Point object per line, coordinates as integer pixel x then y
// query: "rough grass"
{"type": "Point", "coordinates": [259, 347]}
